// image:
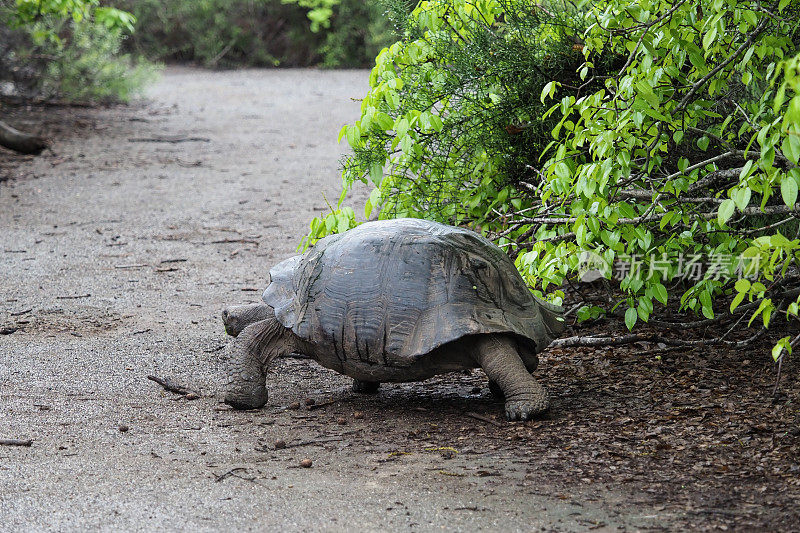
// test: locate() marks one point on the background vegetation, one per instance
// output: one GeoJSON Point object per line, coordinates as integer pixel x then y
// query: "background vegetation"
{"type": "Point", "coordinates": [651, 134]}
{"type": "Point", "coordinates": [68, 49]}
{"type": "Point", "coordinates": [230, 33]}
{"type": "Point", "coordinates": [80, 50]}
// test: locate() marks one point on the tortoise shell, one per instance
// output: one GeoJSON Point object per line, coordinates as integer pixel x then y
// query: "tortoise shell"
{"type": "Point", "coordinates": [391, 291]}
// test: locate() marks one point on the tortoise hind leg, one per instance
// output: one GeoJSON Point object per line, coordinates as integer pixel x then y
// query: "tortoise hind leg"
{"type": "Point", "coordinates": [366, 387]}
{"type": "Point", "coordinates": [529, 358]}
{"type": "Point", "coordinates": [251, 352]}
{"type": "Point", "coordinates": [498, 356]}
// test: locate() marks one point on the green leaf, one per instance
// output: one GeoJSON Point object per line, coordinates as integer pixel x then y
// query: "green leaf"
{"type": "Point", "coordinates": [546, 92]}
{"type": "Point", "coordinates": [702, 142]}
{"type": "Point", "coordinates": [726, 210]}
{"type": "Point", "coordinates": [791, 147]}
{"type": "Point", "coordinates": [401, 126]}
{"type": "Point", "coordinates": [709, 37]}
{"type": "Point", "coordinates": [631, 315]}
{"type": "Point", "coordinates": [353, 136]}
{"type": "Point", "coordinates": [330, 222]}
{"type": "Point", "coordinates": [763, 306]}
{"type": "Point", "coordinates": [660, 293]}
{"type": "Point", "coordinates": [780, 346]}
{"type": "Point", "coordinates": [736, 301]}
{"type": "Point", "coordinates": [789, 190]}
{"type": "Point", "coordinates": [741, 197]}
{"type": "Point", "coordinates": [343, 224]}
{"type": "Point", "coordinates": [646, 91]}
{"type": "Point", "coordinates": [705, 300]}
{"type": "Point", "coordinates": [562, 171]}
{"type": "Point", "coordinates": [746, 170]}
{"type": "Point", "coordinates": [376, 173]}
{"type": "Point", "coordinates": [384, 121]}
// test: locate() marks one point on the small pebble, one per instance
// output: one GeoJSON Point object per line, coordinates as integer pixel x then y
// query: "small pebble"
{"type": "Point", "coordinates": [310, 401]}
{"type": "Point", "coordinates": [341, 421]}
{"type": "Point", "coordinates": [294, 405]}
{"type": "Point", "coordinates": [306, 463]}
{"type": "Point", "coordinates": [192, 396]}
{"type": "Point", "coordinates": [280, 444]}
{"type": "Point", "coordinates": [358, 415]}
{"type": "Point", "coordinates": [123, 428]}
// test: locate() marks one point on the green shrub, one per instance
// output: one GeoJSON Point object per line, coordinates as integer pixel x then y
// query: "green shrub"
{"type": "Point", "coordinates": [69, 51]}
{"type": "Point", "coordinates": [666, 131]}
{"type": "Point", "coordinates": [88, 66]}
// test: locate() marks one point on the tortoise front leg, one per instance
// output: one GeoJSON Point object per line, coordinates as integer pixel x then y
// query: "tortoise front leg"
{"type": "Point", "coordinates": [497, 392]}
{"type": "Point", "coordinates": [238, 317]}
{"type": "Point", "coordinates": [497, 355]}
{"type": "Point", "coordinates": [251, 352]}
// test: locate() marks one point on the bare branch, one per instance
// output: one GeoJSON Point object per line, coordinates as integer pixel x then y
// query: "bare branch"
{"type": "Point", "coordinates": [705, 79]}
{"type": "Point", "coordinates": [646, 337]}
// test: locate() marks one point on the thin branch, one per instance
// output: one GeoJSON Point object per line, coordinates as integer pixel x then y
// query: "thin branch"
{"type": "Point", "coordinates": [170, 386]}
{"type": "Point", "coordinates": [16, 442]}
{"type": "Point", "coordinates": [758, 29]}
{"type": "Point", "coordinates": [578, 340]}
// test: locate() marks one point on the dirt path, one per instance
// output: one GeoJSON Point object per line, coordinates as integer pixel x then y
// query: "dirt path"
{"type": "Point", "coordinates": [117, 254]}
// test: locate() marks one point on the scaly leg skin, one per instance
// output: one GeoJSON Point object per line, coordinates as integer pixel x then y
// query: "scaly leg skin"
{"type": "Point", "coordinates": [365, 387]}
{"type": "Point", "coordinates": [251, 352]}
{"type": "Point", "coordinates": [497, 392]}
{"type": "Point", "coordinates": [238, 317]}
{"type": "Point", "coordinates": [497, 355]}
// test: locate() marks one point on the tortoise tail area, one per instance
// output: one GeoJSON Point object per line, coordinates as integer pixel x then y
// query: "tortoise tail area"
{"type": "Point", "coordinates": [552, 323]}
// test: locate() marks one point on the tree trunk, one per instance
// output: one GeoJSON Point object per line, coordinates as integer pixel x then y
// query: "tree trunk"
{"type": "Point", "coordinates": [20, 142]}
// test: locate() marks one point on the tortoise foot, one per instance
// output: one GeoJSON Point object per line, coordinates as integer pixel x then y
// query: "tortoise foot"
{"type": "Point", "coordinates": [243, 398]}
{"type": "Point", "coordinates": [525, 409]}
{"type": "Point", "coordinates": [365, 387]}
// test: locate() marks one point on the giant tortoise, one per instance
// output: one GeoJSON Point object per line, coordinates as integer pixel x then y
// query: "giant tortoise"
{"type": "Point", "coordinates": [393, 301]}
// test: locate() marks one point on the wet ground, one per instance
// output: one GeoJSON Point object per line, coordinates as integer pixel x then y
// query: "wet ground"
{"type": "Point", "coordinates": [120, 247]}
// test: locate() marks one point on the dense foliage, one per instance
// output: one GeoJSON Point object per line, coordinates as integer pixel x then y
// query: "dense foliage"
{"type": "Point", "coordinates": [228, 33]}
{"type": "Point", "coordinates": [655, 142]}
{"type": "Point", "coordinates": [68, 49]}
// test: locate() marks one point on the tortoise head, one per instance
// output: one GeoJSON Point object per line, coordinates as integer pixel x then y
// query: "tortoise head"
{"type": "Point", "coordinates": [238, 317]}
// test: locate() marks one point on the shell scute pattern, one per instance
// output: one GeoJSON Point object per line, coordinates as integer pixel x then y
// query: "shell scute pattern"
{"type": "Point", "coordinates": [389, 292]}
